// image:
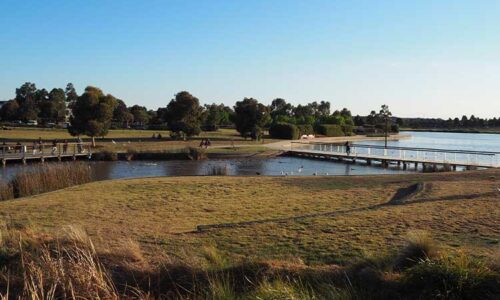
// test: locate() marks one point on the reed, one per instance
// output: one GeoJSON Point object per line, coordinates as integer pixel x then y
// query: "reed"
{"type": "Point", "coordinates": [50, 177]}
{"type": "Point", "coordinates": [218, 170]}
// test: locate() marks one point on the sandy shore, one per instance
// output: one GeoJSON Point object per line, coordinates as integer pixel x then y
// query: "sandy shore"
{"type": "Point", "coordinates": [283, 145]}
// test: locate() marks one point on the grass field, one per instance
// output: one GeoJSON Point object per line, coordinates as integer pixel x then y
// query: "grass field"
{"type": "Point", "coordinates": [461, 210]}
{"type": "Point", "coordinates": [291, 222]}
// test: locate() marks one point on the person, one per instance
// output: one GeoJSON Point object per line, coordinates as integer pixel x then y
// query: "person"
{"type": "Point", "coordinates": [208, 143]}
{"type": "Point", "coordinates": [202, 143]}
{"type": "Point", "coordinates": [159, 136]}
{"type": "Point", "coordinates": [154, 136]}
{"type": "Point", "coordinates": [347, 148]}
{"type": "Point", "coordinates": [54, 146]}
{"type": "Point", "coordinates": [79, 145]}
{"type": "Point", "coordinates": [65, 146]}
{"type": "Point", "coordinates": [40, 145]}
{"type": "Point", "coordinates": [34, 147]}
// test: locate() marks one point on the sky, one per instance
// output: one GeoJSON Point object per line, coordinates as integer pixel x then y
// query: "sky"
{"type": "Point", "coordinates": [423, 58]}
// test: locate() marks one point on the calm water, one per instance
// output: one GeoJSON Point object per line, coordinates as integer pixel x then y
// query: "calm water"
{"type": "Point", "coordinates": [444, 140]}
{"type": "Point", "coordinates": [280, 165]}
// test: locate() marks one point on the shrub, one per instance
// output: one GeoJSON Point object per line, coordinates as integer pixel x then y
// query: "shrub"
{"type": "Point", "coordinates": [348, 130]}
{"type": "Point", "coordinates": [6, 191]}
{"type": "Point", "coordinates": [284, 131]}
{"type": "Point", "coordinates": [329, 130]}
{"type": "Point", "coordinates": [394, 128]}
{"type": "Point", "coordinates": [305, 129]}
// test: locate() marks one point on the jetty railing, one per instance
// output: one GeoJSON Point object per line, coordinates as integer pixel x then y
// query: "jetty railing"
{"type": "Point", "coordinates": [431, 155]}
{"type": "Point", "coordinates": [23, 152]}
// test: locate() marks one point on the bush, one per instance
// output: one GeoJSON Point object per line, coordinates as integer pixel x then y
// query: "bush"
{"type": "Point", "coordinates": [348, 130]}
{"type": "Point", "coordinates": [329, 130]}
{"type": "Point", "coordinates": [394, 128]}
{"type": "Point", "coordinates": [284, 131]}
{"type": "Point", "coordinates": [305, 129]}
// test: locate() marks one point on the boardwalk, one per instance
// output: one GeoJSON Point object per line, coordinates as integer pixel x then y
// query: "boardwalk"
{"type": "Point", "coordinates": [24, 153]}
{"type": "Point", "coordinates": [405, 157]}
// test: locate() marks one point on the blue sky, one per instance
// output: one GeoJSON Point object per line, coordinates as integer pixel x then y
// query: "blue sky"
{"type": "Point", "coordinates": [422, 58]}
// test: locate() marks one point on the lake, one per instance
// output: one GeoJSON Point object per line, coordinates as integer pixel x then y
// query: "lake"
{"type": "Point", "coordinates": [279, 166]}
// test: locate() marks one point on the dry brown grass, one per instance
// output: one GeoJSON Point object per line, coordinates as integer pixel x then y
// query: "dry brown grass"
{"type": "Point", "coordinates": [49, 177]}
{"type": "Point", "coordinates": [459, 211]}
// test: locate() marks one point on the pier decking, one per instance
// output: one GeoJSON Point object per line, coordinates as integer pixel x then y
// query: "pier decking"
{"type": "Point", "coordinates": [25, 153]}
{"type": "Point", "coordinates": [405, 157]}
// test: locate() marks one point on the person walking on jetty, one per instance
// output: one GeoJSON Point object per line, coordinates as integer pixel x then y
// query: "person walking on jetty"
{"type": "Point", "coordinates": [347, 148]}
{"type": "Point", "coordinates": [65, 147]}
{"type": "Point", "coordinates": [79, 145]}
{"type": "Point", "coordinates": [54, 147]}
{"type": "Point", "coordinates": [40, 145]}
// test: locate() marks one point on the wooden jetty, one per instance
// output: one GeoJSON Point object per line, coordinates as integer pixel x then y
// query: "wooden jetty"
{"type": "Point", "coordinates": [19, 153]}
{"type": "Point", "coordinates": [405, 157]}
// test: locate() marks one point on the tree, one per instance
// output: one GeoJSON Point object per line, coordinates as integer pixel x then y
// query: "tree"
{"type": "Point", "coordinates": [215, 115]}
{"type": "Point", "coordinates": [250, 117]}
{"type": "Point", "coordinates": [9, 111]}
{"type": "Point", "coordinates": [279, 107]}
{"type": "Point", "coordinates": [26, 97]}
{"type": "Point", "coordinates": [92, 113]}
{"type": "Point", "coordinates": [71, 94]}
{"type": "Point", "coordinates": [121, 114]}
{"type": "Point", "coordinates": [140, 115]}
{"type": "Point", "coordinates": [53, 108]}
{"type": "Point", "coordinates": [385, 114]}
{"type": "Point", "coordinates": [183, 114]}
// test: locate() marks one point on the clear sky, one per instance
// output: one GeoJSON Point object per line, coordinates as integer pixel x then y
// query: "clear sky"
{"type": "Point", "coordinates": [433, 58]}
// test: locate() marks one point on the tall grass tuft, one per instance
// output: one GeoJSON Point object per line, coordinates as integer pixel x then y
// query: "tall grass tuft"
{"type": "Point", "coordinates": [50, 177]}
{"type": "Point", "coordinates": [419, 246]}
{"type": "Point", "coordinates": [6, 191]}
{"type": "Point", "coordinates": [218, 170]}
{"type": "Point", "coordinates": [452, 277]}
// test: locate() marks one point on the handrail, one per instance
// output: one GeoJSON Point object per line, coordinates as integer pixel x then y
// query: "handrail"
{"type": "Point", "coordinates": [406, 148]}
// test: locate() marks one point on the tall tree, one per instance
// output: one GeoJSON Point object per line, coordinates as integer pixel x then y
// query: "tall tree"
{"type": "Point", "coordinates": [26, 97]}
{"type": "Point", "coordinates": [250, 117]}
{"type": "Point", "coordinates": [92, 113]}
{"type": "Point", "coordinates": [183, 114]}
{"type": "Point", "coordinates": [53, 108]}
{"type": "Point", "coordinates": [9, 111]}
{"type": "Point", "coordinates": [279, 107]}
{"type": "Point", "coordinates": [121, 114]}
{"type": "Point", "coordinates": [215, 115]}
{"type": "Point", "coordinates": [140, 114]}
{"type": "Point", "coordinates": [385, 115]}
{"type": "Point", "coordinates": [71, 95]}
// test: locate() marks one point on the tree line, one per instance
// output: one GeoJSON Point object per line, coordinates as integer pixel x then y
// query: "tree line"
{"type": "Point", "coordinates": [94, 112]}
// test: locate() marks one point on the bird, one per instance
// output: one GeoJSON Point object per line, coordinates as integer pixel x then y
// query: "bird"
{"type": "Point", "coordinates": [327, 174]}
{"type": "Point", "coordinates": [282, 173]}
{"type": "Point", "coordinates": [113, 141]}
{"type": "Point", "coordinates": [315, 173]}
